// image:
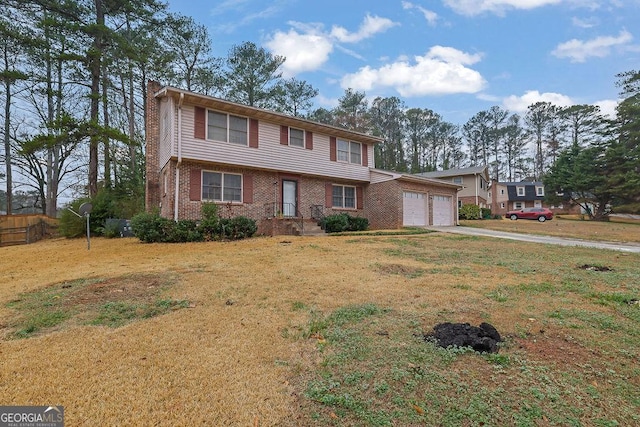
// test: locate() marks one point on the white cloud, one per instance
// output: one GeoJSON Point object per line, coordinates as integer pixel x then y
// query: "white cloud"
{"type": "Point", "coordinates": [443, 70]}
{"type": "Point", "coordinates": [369, 27]}
{"type": "Point", "coordinates": [607, 107]}
{"type": "Point", "coordinates": [307, 46]}
{"type": "Point", "coordinates": [304, 52]}
{"type": "Point", "coordinates": [584, 23]}
{"type": "Point", "coordinates": [579, 50]}
{"type": "Point", "coordinates": [519, 104]}
{"type": "Point", "coordinates": [429, 15]}
{"type": "Point", "coordinates": [499, 7]}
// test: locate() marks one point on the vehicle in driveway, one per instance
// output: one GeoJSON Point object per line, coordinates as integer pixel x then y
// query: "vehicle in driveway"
{"type": "Point", "coordinates": [541, 214]}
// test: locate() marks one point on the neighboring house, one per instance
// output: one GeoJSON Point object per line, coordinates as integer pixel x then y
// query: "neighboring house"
{"type": "Point", "coordinates": [474, 181]}
{"type": "Point", "coordinates": [507, 196]}
{"type": "Point", "coordinates": [284, 172]}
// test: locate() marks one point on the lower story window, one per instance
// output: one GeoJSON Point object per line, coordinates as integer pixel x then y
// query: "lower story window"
{"type": "Point", "coordinates": [344, 196]}
{"type": "Point", "coordinates": [221, 187]}
{"type": "Point", "coordinates": [517, 205]}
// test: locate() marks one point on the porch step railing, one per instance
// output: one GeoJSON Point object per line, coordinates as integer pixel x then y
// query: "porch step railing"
{"type": "Point", "coordinates": [289, 211]}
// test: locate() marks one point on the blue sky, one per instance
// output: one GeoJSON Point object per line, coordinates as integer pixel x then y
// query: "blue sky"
{"type": "Point", "coordinates": [455, 57]}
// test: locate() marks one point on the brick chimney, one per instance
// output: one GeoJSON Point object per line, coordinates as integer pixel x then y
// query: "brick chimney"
{"type": "Point", "coordinates": [152, 137]}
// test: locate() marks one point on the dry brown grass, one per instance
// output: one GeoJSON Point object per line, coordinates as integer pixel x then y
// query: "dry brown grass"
{"type": "Point", "coordinates": [573, 227]}
{"type": "Point", "coordinates": [237, 357]}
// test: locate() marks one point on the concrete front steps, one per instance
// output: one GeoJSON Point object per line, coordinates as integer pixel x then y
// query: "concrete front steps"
{"type": "Point", "coordinates": [310, 228]}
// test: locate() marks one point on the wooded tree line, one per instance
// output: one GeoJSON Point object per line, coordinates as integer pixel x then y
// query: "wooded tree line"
{"type": "Point", "coordinates": [74, 73]}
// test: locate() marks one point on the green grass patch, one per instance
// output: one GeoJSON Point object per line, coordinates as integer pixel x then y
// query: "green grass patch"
{"type": "Point", "coordinates": [376, 369]}
{"type": "Point", "coordinates": [110, 302]}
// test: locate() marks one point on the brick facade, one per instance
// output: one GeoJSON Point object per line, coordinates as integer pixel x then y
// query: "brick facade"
{"type": "Point", "coordinates": [384, 202]}
{"type": "Point", "coordinates": [266, 193]}
{"type": "Point", "coordinates": [152, 131]}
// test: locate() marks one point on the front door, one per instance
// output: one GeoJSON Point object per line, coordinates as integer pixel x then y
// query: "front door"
{"type": "Point", "coordinates": [289, 197]}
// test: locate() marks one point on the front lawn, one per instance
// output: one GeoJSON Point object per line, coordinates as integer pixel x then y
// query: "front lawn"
{"type": "Point", "coordinates": [324, 331]}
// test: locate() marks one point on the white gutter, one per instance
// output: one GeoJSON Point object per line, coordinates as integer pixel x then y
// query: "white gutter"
{"type": "Point", "coordinates": [477, 176]}
{"type": "Point", "coordinates": [177, 190]}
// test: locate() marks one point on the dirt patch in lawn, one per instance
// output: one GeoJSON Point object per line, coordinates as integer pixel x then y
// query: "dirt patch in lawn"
{"type": "Point", "coordinates": [113, 302]}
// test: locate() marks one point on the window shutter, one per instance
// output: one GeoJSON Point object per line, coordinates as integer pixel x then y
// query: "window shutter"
{"type": "Point", "coordinates": [199, 123]}
{"type": "Point", "coordinates": [247, 188]}
{"type": "Point", "coordinates": [195, 185]}
{"type": "Point", "coordinates": [365, 155]}
{"type": "Point", "coordinates": [308, 143]}
{"type": "Point", "coordinates": [328, 195]}
{"type": "Point", "coordinates": [359, 197]}
{"type": "Point", "coordinates": [333, 156]}
{"type": "Point", "coordinates": [253, 133]}
{"type": "Point", "coordinates": [284, 135]}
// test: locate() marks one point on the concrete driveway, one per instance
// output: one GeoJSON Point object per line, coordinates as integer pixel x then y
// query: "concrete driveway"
{"type": "Point", "coordinates": [624, 247]}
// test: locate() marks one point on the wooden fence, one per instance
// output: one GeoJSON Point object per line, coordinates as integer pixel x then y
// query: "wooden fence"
{"type": "Point", "coordinates": [25, 229]}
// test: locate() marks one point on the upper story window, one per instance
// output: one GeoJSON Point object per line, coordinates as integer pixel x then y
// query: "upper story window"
{"type": "Point", "coordinates": [349, 151]}
{"type": "Point", "coordinates": [539, 191]}
{"type": "Point", "coordinates": [227, 128]}
{"type": "Point", "coordinates": [502, 191]}
{"type": "Point", "coordinates": [221, 187]}
{"type": "Point", "coordinates": [344, 197]}
{"type": "Point", "coordinates": [457, 180]}
{"type": "Point", "coordinates": [296, 137]}
{"type": "Point", "coordinates": [520, 191]}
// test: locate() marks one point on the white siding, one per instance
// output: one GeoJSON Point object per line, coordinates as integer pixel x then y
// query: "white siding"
{"type": "Point", "coordinates": [377, 177]}
{"type": "Point", "coordinates": [168, 131]}
{"type": "Point", "coordinates": [270, 154]}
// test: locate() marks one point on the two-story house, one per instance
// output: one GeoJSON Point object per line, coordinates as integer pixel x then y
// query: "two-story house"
{"type": "Point", "coordinates": [506, 196]}
{"type": "Point", "coordinates": [272, 167]}
{"type": "Point", "coordinates": [474, 181]}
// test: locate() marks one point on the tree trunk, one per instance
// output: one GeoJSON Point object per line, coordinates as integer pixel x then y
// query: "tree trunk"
{"type": "Point", "coordinates": [7, 144]}
{"type": "Point", "coordinates": [95, 56]}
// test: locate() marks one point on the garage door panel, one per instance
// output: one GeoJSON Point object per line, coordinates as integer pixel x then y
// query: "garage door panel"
{"type": "Point", "coordinates": [414, 209]}
{"type": "Point", "coordinates": [443, 210]}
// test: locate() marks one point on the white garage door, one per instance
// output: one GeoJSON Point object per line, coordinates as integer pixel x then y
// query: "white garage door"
{"type": "Point", "coordinates": [442, 210]}
{"type": "Point", "coordinates": [414, 209]}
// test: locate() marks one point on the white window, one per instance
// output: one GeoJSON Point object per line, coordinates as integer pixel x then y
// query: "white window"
{"type": "Point", "coordinates": [227, 128]}
{"type": "Point", "coordinates": [537, 204]}
{"type": "Point", "coordinates": [296, 137]}
{"type": "Point", "coordinates": [165, 182]}
{"type": "Point", "coordinates": [221, 187]}
{"type": "Point", "coordinates": [349, 151]}
{"type": "Point", "coordinates": [539, 191]}
{"type": "Point", "coordinates": [501, 205]}
{"type": "Point", "coordinates": [344, 197]}
{"type": "Point", "coordinates": [412, 195]}
{"type": "Point", "coordinates": [517, 205]}
{"type": "Point", "coordinates": [457, 180]}
{"type": "Point", "coordinates": [520, 191]}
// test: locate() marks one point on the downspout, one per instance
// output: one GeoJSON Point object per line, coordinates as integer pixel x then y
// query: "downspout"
{"type": "Point", "coordinates": [477, 183]}
{"type": "Point", "coordinates": [177, 190]}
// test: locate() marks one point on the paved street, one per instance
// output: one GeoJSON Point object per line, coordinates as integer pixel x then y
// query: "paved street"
{"type": "Point", "coordinates": [624, 247]}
